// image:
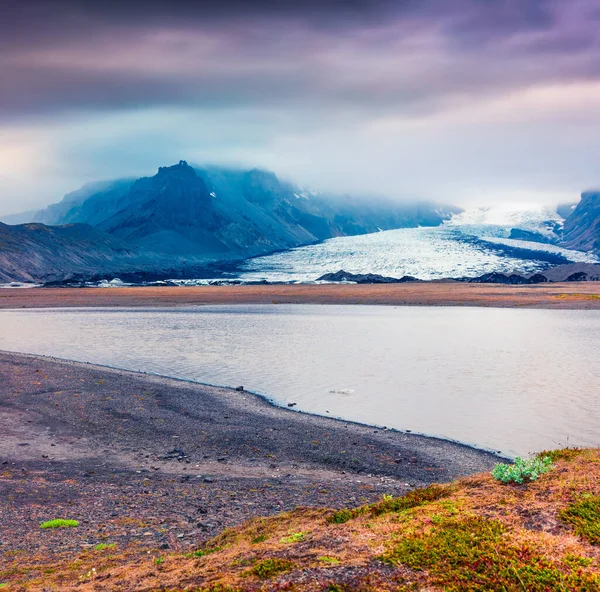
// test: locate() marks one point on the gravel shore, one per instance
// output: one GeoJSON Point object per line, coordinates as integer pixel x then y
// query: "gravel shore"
{"type": "Point", "coordinates": [148, 462]}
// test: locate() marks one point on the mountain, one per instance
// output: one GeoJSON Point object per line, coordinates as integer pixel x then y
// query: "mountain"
{"type": "Point", "coordinates": [38, 253]}
{"type": "Point", "coordinates": [582, 227]}
{"type": "Point", "coordinates": [184, 216]}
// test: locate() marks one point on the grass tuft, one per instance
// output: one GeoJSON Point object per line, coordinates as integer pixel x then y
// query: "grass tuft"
{"type": "Point", "coordinates": [267, 568]}
{"type": "Point", "coordinates": [329, 560]}
{"type": "Point", "coordinates": [561, 454]}
{"type": "Point", "coordinates": [295, 537]}
{"type": "Point", "coordinates": [413, 499]}
{"type": "Point", "coordinates": [103, 546]}
{"type": "Point", "coordinates": [59, 523]}
{"type": "Point", "coordinates": [584, 516]}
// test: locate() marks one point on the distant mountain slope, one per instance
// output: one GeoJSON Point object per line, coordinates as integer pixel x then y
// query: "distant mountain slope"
{"type": "Point", "coordinates": [582, 227]}
{"type": "Point", "coordinates": [183, 218]}
{"type": "Point", "coordinates": [229, 213]}
{"type": "Point", "coordinates": [35, 252]}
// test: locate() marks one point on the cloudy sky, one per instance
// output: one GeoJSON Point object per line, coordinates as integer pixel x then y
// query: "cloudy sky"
{"type": "Point", "coordinates": [467, 101]}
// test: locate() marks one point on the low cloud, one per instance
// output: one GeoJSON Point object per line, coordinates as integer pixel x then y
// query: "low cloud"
{"type": "Point", "coordinates": [425, 99]}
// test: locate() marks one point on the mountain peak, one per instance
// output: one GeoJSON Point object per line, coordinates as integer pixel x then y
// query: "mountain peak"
{"type": "Point", "coordinates": [181, 169]}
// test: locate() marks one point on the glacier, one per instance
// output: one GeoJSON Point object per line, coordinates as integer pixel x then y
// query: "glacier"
{"type": "Point", "coordinates": [470, 244]}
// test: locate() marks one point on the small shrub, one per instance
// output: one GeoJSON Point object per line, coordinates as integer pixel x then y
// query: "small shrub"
{"type": "Point", "coordinates": [102, 546]}
{"type": "Point", "coordinates": [342, 516]}
{"type": "Point", "coordinates": [584, 516]}
{"type": "Point", "coordinates": [295, 537]}
{"type": "Point", "coordinates": [159, 560]}
{"type": "Point", "coordinates": [267, 568]}
{"type": "Point", "coordinates": [522, 471]}
{"type": "Point", "coordinates": [261, 538]}
{"type": "Point", "coordinates": [59, 523]}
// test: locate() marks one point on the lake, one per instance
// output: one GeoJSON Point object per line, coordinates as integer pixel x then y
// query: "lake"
{"type": "Point", "coordinates": [515, 381]}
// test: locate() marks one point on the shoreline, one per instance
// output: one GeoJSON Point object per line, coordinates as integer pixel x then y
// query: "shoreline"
{"type": "Point", "coordinates": [565, 296]}
{"type": "Point", "coordinates": [148, 463]}
{"type": "Point", "coordinates": [268, 399]}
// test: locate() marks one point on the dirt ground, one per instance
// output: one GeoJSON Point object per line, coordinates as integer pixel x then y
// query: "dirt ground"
{"type": "Point", "coordinates": [573, 295]}
{"type": "Point", "coordinates": [150, 463]}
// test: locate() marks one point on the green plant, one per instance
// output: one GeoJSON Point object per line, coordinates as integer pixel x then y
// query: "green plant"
{"type": "Point", "coordinates": [203, 552]}
{"type": "Point", "coordinates": [268, 568]}
{"type": "Point", "coordinates": [295, 537]}
{"type": "Point", "coordinates": [413, 499]}
{"type": "Point", "coordinates": [584, 516]}
{"type": "Point", "coordinates": [474, 554]}
{"type": "Point", "coordinates": [159, 560]}
{"type": "Point", "coordinates": [522, 471]}
{"type": "Point", "coordinates": [102, 546]}
{"type": "Point", "coordinates": [59, 523]}
{"type": "Point", "coordinates": [561, 454]}
{"type": "Point", "coordinates": [259, 539]}
{"type": "Point", "coordinates": [330, 560]}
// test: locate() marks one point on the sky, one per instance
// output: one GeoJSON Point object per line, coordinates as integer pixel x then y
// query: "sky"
{"type": "Point", "coordinates": [462, 101]}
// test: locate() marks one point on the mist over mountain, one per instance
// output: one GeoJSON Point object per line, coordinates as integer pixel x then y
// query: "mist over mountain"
{"type": "Point", "coordinates": [184, 217]}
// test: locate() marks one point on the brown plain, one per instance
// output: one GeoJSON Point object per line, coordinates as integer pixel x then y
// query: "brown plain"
{"type": "Point", "coordinates": [570, 295]}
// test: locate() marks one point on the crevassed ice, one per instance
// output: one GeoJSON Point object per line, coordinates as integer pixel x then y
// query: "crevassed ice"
{"type": "Point", "coordinates": [425, 253]}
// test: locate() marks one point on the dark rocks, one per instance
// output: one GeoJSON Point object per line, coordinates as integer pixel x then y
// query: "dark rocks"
{"type": "Point", "coordinates": [500, 278]}
{"type": "Point", "coordinates": [239, 388]}
{"type": "Point", "coordinates": [292, 404]}
{"type": "Point", "coordinates": [579, 276]}
{"type": "Point", "coordinates": [364, 278]}
{"type": "Point", "coordinates": [537, 278]}
{"type": "Point", "coordinates": [575, 272]}
{"type": "Point", "coordinates": [175, 454]}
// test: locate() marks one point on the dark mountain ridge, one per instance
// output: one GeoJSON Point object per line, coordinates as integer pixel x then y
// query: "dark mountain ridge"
{"type": "Point", "coordinates": [182, 218]}
{"type": "Point", "coordinates": [582, 226]}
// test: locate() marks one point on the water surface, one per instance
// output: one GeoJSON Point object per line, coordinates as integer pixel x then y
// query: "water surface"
{"type": "Point", "coordinates": [512, 380]}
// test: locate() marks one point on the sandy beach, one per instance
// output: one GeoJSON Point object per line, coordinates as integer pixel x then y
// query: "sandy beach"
{"type": "Point", "coordinates": [150, 463]}
{"type": "Point", "coordinates": [571, 295]}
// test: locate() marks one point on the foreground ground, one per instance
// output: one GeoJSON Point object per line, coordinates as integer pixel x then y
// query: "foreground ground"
{"type": "Point", "coordinates": [153, 469]}
{"type": "Point", "coordinates": [144, 515]}
{"type": "Point", "coordinates": [572, 295]}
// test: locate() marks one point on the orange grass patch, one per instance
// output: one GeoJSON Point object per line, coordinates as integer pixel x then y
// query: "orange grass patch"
{"type": "Point", "coordinates": [477, 535]}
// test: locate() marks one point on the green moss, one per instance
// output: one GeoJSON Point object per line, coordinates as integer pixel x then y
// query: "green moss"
{"type": "Point", "coordinates": [329, 560]}
{"type": "Point", "coordinates": [413, 499]}
{"type": "Point", "coordinates": [267, 568]}
{"type": "Point", "coordinates": [103, 546]}
{"type": "Point", "coordinates": [561, 454]}
{"type": "Point", "coordinates": [295, 537]}
{"type": "Point", "coordinates": [59, 523]}
{"type": "Point", "coordinates": [474, 554]}
{"type": "Point", "coordinates": [203, 552]}
{"type": "Point", "coordinates": [584, 516]}
{"type": "Point", "coordinates": [577, 560]}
